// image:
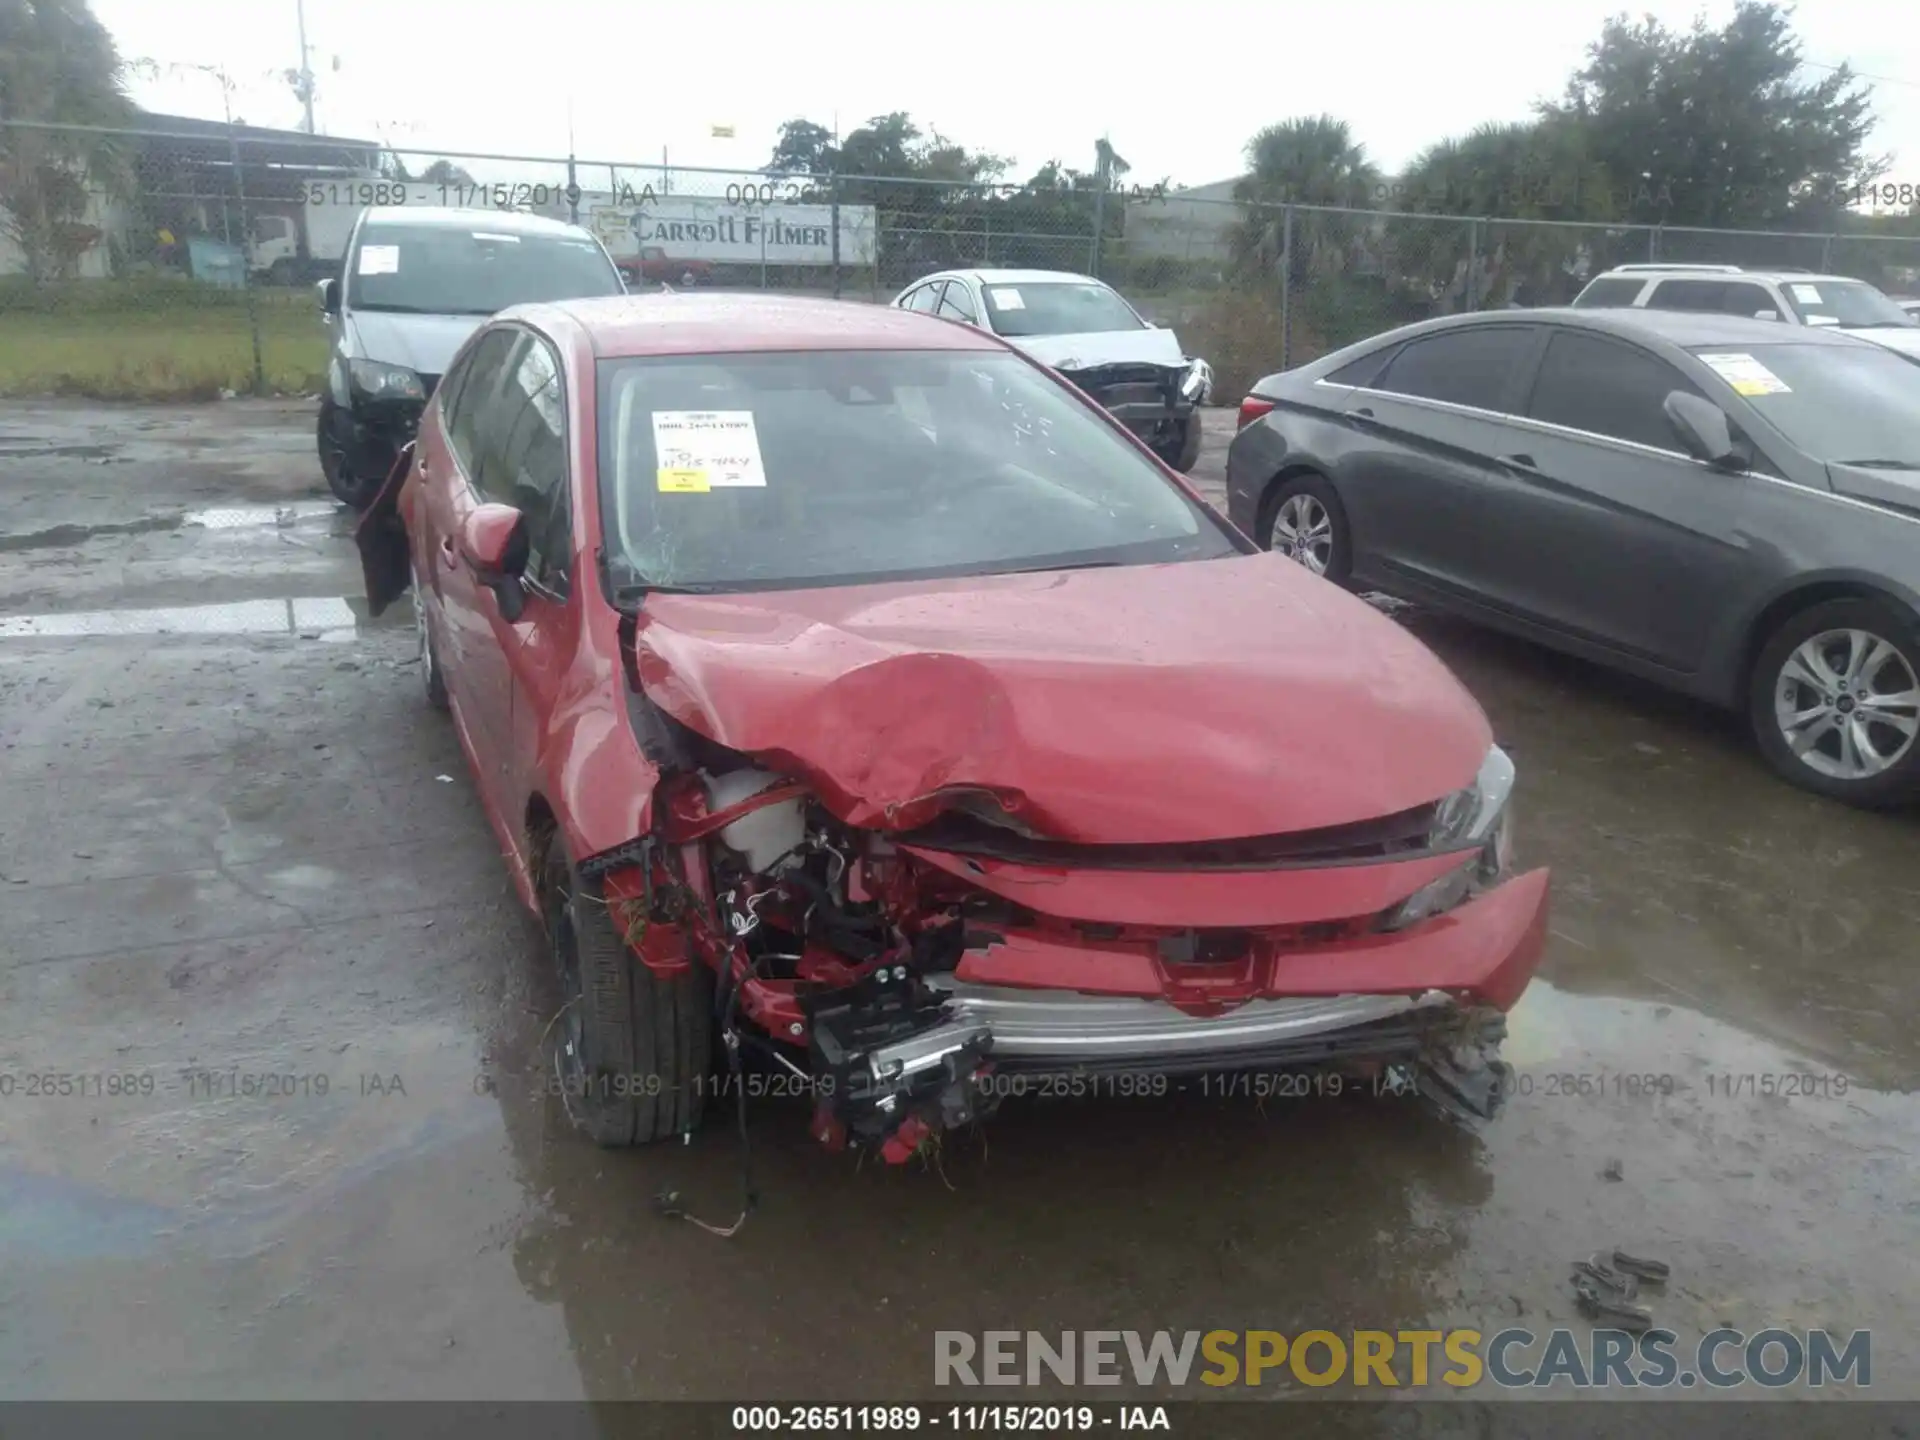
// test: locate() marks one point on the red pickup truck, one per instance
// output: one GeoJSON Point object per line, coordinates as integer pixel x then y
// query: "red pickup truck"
{"type": "Point", "coordinates": [653, 263]}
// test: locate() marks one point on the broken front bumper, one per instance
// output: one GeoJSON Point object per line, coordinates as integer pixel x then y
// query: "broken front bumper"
{"type": "Point", "coordinates": [1307, 1004]}
{"type": "Point", "coordinates": [1424, 1007]}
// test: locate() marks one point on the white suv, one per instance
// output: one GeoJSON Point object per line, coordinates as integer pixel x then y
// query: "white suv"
{"type": "Point", "coordinates": [1797, 297]}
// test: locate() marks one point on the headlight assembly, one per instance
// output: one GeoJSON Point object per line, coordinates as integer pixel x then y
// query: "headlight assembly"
{"type": "Point", "coordinates": [377, 380]}
{"type": "Point", "coordinates": [1197, 385]}
{"type": "Point", "coordinates": [1478, 815]}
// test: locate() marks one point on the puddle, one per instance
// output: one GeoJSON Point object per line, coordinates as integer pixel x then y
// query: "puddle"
{"type": "Point", "coordinates": [330, 619]}
{"type": "Point", "coordinates": [255, 517]}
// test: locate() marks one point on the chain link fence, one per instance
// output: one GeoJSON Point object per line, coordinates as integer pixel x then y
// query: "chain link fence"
{"type": "Point", "coordinates": [180, 262]}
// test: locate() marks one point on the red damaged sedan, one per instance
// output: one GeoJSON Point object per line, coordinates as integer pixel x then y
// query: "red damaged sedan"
{"type": "Point", "coordinates": [843, 684]}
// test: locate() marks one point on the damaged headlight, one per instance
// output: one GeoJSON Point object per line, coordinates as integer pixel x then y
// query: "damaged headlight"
{"type": "Point", "coordinates": [1197, 385]}
{"type": "Point", "coordinates": [1479, 814]}
{"type": "Point", "coordinates": [377, 380]}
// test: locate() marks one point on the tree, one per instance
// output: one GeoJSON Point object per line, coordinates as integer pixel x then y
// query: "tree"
{"type": "Point", "coordinates": [1313, 160]}
{"type": "Point", "coordinates": [58, 66]}
{"type": "Point", "coordinates": [1716, 127]}
{"type": "Point", "coordinates": [445, 172]}
{"type": "Point", "coordinates": [804, 148]}
{"type": "Point", "coordinates": [1515, 172]}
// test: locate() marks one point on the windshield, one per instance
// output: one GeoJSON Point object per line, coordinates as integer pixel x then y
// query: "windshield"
{"type": "Point", "coordinates": [454, 270]}
{"type": "Point", "coordinates": [1841, 404]}
{"type": "Point", "coordinates": [1843, 302]}
{"type": "Point", "coordinates": [763, 471]}
{"type": "Point", "coordinates": [1055, 307]}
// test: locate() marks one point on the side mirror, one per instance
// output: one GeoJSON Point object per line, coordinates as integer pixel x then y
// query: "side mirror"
{"type": "Point", "coordinates": [329, 296]}
{"type": "Point", "coordinates": [493, 543]}
{"type": "Point", "coordinates": [1704, 430]}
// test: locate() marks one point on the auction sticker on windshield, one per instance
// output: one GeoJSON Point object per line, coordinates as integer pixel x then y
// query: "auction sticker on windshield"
{"type": "Point", "coordinates": [702, 450]}
{"type": "Point", "coordinates": [379, 259]}
{"type": "Point", "coordinates": [1806, 294]}
{"type": "Point", "coordinates": [1746, 375]}
{"type": "Point", "coordinates": [1005, 298]}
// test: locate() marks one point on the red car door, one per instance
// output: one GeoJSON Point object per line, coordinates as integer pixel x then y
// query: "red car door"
{"type": "Point", "coordinates": [470, 631]}
{"type": "Point", "coordinates": [529, 472]}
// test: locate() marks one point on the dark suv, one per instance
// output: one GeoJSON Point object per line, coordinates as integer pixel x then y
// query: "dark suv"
{"type": "Point", "coordinates": [1725, 505]}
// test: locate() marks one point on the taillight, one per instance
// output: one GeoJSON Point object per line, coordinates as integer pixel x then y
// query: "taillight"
{"type": "Point", "coordinates": [1252, 408]}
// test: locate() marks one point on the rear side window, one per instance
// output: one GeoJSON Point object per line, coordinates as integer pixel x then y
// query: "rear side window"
{"type": "Point", "coordinates": [926, 299]}
{"type": "Point", "coordinates": [1605, 388]}
{"type": "Point", "coordinates": [1475, 366]}
{"type": "Point", "coordinates": [1610, 292]}
{"type": "Point", "coordinates": [1364, 371]}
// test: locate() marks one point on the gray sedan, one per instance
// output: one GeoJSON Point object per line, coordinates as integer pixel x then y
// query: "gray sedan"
{"type": "Point", "coordinates": [1725, 506]}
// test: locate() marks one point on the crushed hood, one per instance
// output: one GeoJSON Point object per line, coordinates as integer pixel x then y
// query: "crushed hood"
{"type": "Point", "coordinates": [1171, 703]}
{"type": "Point", "coordinates": [1103, 347]}
{"type": "Point", "coordinates": [423, 343]}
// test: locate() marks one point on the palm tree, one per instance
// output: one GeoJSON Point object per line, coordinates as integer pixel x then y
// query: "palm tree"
{"type": "Point", "coordinates": [1309, 161]}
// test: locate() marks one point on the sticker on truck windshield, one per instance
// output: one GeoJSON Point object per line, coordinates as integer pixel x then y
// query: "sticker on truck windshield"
{"type": "Point", "coordinates": [379, 259]}
{"type": "Point", "coordinates": [701, 450]}
{"type": "Point", "coordinates": [1806, 294]}
{"type": "Point", "coordinates": [1746, 375]}
{"type": "Point", "coordinates": [1006, 299]}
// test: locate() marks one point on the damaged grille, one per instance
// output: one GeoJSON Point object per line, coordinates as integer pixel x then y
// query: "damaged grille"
{"type": "Point", "coordinates": [1390, 837]}
{"type": "Point", "coordinates": [1128, 384]}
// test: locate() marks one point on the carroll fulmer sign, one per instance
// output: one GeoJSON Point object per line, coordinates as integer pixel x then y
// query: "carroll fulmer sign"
{"type": "Point", "coordinates": [691, 228]}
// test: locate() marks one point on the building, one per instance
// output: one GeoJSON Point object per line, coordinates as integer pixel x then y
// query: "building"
{"type": "Point", "coordinates": [207, 178]}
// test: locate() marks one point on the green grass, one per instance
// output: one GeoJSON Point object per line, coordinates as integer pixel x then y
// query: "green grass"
{"type": "Point", "coordinates": [154, 340]}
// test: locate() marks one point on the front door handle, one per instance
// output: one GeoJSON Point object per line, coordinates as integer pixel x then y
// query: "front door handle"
{"type": "Point", "coordinates": [1365, 411]}
{"type": "Point", "coordinates": [449, 557]}
{"type": "Point", "coordinates": [1524, 461]}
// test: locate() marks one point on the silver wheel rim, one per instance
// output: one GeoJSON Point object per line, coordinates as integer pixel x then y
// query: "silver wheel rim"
{"type": "Point", "coordinates": [1848, 704]}
{"type": "Point", "coordinates": [1303, 532]}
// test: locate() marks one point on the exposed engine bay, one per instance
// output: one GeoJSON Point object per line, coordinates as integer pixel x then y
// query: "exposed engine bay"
{"type": "Point", "coordinates": [838, 951]}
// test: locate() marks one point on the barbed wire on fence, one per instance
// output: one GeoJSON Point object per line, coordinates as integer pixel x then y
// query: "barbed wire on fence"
{"type": "Point", "coordinates": [174, 235]}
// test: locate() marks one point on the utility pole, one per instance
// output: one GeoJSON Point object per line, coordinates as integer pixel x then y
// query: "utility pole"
{"type": "Point", "coordinates": [306, 68]}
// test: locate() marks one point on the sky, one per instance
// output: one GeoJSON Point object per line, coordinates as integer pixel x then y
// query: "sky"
{"type": "Point", "coordinates": [1178, 91]}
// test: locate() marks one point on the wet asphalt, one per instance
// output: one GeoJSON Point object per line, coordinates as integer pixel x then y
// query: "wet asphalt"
{"type": "Point", "coordinates": [289, 1139]}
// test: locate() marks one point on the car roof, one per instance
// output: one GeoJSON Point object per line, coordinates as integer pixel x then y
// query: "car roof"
{"type": "Point", "coordinates": [500, 222]}
{"type": "Point", "coordinates": [689, 324]}
{"type": "Point", "coordinates": [1685, 328]}
{"type": "Point", "coordinates": [1695, 272]}
{"type": "Point", "coordinates": [1018, 277]}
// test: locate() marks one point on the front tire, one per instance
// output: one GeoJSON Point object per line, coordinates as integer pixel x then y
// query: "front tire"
{"type": "Point", "coordinates": [1182, 450]}
{"type": "Point", "coordinates": [334, 440]}
{"type": "Point", "coordinates": [630, 1049]}
{"type": "Point", "coordinates": [1834, 700]}
{"type": "Point", "coordinates": [1306, 522]}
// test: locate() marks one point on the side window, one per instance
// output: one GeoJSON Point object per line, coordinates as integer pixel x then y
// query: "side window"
{"type": "Point", "coordinates": [926, 299]}
{"type": "Point", "coordinates": [1586, 383]}
{"type": "Point", "coordinates": [1609, 292]}
{"type": "Point", "coordinates": [1691, 295]}
{"type": "Point", "coordinates": [1364, 371]}
{"type": "Point", "coordinates": [1476, 365]}
{"type": "Point", "coordinates": [530, 472]}
{"type": "Point", "coordinates": [470, 408]}
{"type": "Point", "coordinates": [1752, 301]}
{"type": "Point", "coordinates": [958, 305]}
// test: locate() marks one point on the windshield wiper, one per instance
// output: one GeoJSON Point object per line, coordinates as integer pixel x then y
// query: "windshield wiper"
{"type": "Point", "coordinates": [1880, 464]}
{"type": "Point", "coordinates": [639, 590]}
{"type": "Point", "coordinates": [398, 309]}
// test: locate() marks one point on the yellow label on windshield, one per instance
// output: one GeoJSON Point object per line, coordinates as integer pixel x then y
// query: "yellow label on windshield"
{"type": "Point", "coordinates": [683, 482]}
